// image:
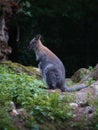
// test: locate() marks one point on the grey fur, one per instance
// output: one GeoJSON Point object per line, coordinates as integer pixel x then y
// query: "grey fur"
{"type": "Point", "coordinates": [51, 67]}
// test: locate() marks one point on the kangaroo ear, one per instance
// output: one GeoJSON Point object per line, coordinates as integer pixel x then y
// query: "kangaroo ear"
{"type": "Point", "coordinates": [38, 36]}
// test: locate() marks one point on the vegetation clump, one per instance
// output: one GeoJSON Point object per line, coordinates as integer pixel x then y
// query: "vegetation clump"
{"type": "Point", "coordinates": [27, 93]}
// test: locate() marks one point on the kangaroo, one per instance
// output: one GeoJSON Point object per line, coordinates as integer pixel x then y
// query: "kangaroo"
{"type": "Point", "coordinates": [51, 67]}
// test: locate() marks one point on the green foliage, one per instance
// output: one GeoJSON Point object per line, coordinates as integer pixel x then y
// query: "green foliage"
{"type": "Point", "coordinates": [70, 83]}
{"type": "Point", "coordinates": [89, 81]}
{"type": "Point", "coordinates": [90, 68]}
{"type": "Point", "coordinates": [48, 106]}
{"type": "Point", "coordinates": [28, 93]}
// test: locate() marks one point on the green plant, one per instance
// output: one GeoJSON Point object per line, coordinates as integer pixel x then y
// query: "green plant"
{"type": "Point", "coordinates": [27, 92]}
{"type": "Point", "coordinates": [89, 81]}
{"type": "Point", "coordinates": [90, 68]}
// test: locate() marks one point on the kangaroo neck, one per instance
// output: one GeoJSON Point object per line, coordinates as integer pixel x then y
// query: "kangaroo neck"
{"type": "Point", "coordinates": [39, 50]}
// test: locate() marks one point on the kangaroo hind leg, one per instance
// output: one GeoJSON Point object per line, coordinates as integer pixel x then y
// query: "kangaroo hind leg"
{"type": "Point", "coordinates": [51, 79]}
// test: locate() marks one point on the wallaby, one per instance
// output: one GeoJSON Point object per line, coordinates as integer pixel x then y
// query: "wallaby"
{"type": "Point", "coordinates": [51, 67]}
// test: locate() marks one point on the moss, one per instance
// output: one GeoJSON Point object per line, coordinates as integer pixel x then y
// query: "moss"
{"type": "Point", "coordinates": [79, 75]}
{"type": "Point", "coordinates": [18, 68]}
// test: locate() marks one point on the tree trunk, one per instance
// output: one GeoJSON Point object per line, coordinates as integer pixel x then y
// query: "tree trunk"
{"type": "Point", "coordinates": [5, 50]}
{"type": "Point", "coordinates": [7, 9]}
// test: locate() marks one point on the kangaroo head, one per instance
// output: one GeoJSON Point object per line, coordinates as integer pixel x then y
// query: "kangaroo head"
{"type": "Point", "coordinates": [34, 42]}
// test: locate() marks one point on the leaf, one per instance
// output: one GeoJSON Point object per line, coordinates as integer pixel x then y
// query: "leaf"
{"type": "Point", "coordinates": [35, 127]}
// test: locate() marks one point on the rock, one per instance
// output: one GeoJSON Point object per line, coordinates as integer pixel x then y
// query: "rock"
{"type": "Point", "coordinates": [83, 103]}
{"type": "Point", "coordinates": [89, 110]}
{"type": "Point", "coordinates": [80, 74]}
{"type": "Point", "coordinates": [81, 97]}
{"type": "Point", "coordinates": [73, 105]}
{"type": "Point", "coordinates": [95, 88]}
{"type": "Point", "coordinates": [12, 109]}
{"type": "Point", "coordinates": [92, 75]}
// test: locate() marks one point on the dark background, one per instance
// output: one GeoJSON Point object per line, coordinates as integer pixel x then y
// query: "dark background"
{"type": "Point", "coordinates": [68, 28]}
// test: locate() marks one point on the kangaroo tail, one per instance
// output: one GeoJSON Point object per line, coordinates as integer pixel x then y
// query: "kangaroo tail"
{"type": "Point", "coordinates": [74, 88]}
